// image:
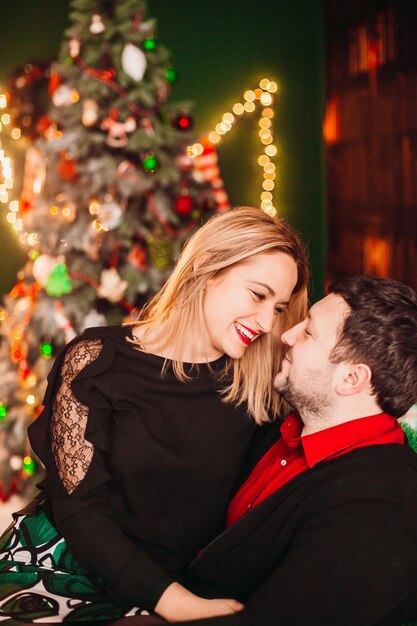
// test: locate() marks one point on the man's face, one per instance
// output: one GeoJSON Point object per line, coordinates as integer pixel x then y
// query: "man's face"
{"type": "Point", "coordinates": [307, 378]}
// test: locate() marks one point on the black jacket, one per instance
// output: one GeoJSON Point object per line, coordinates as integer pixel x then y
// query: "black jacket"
{"type": "Point", "coordinates": [335, 546]}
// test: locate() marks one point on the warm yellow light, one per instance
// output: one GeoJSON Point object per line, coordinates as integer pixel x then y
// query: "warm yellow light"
{"type": "Point", "coordinates": [31, 380]}
{"type": "Point", "coordinates": [271, 211]}
{"type": "Point", "coordinates": [263, 160]}
{"type": "Point", "coordinates": [214, 137]}
{"type": "Point", "coordinates": [5, 119]}
{"type": "Point", "coordinates": [249, 95]}
{"type": "Point", "coordinates": [266, 140]}
{"type": "Point", "coordinates": [66, 211]}
{"type": "Point", "coordinates": [16, 133]}
{"type": "Point", "coordinates": [229, 117]}
{"type": "Point", "coordinates": [269, 167]}
{"type": "Point", "coordinates": [266, 195]}
{"type": "Point", "coordinates": [266, 99]}
{"type": "Point", "coordinates": [271, 150]}
{"type": "Point", "coordinates": [16, 335]}
{"type": "Point", "coordinates": [14, 206]}
{"type": "Point", "coordinates": [249, 107]}
{"type": "Point", "coordinates": [264, 132]}
{"type": "Point", "coordinates": [224, 127]}
{"type": "Point", "coordinates": [272, 87]}
{"type": "Point", "coordinates": [268, 112]}
{"type": "Point", "coordinates": [75, 96]}
{"type": "Point", "coordinates": [238, 108]}
{"type": "Point", "coordinates": [32, 239]}
{"type": "Point", "coordinates": [3, 101]}
{"type": "Point", "coordinates": [2, 316]}
{"type": "Point", "coordinates": [53, 210]}
{"type": "Point", "coordinates": [57, 134]}
{"type": "Point", "coordinates": [94, 206]}
{"type": "Point", "coordinates": [18, 225]}
{"type": "Point", "coordinates": [268, 185]}
{"type": "Point", "coordinates": [264, 83]}
{"type": "Point", "coordinates": [11, 218]}
{"type": "Point", "coordinates": [264, 122]}
{"type": "Point", "coordinates": [219, 129]}
{"type": "Point", "coordinates": [265, 204]}
{"type": "Point", "coordinates": [30, 399]}
{"type": "Point", "coordinates": [96, 225]}
{"type": "Point", "coordinates": [269, 175]}
{"type": "Point", "coordinates": [258, 93]}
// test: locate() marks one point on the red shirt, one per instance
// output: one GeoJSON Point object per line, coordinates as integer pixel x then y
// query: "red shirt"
{"type": "Point", "coordinates": [293, 454]}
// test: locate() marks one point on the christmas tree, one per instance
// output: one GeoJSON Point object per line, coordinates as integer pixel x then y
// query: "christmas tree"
{"type": "Point", "coordinates": [108, 197]}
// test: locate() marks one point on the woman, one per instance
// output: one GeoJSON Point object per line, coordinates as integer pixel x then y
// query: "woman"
{"type": "Point", "coordinates": [145, 427]}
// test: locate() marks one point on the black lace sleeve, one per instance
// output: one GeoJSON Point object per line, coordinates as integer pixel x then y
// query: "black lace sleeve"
{"type": "Point", "coordinates": [70, 437]}
{"type": "Point", "coordinates": [72, 452]}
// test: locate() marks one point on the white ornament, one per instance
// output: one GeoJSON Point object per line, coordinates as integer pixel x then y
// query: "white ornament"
{"type": "Point", "coordinates": [74, 45]}
{"type": "Point", "coordinates": [96, 26]}
{"type": "Point", "coordinates": [42, 267]}
{"type": "Point", "coordinates": [90, 112]}
{"type": "Point", "coordinates": [62, 96]}
{"type": "Point", "coordinates": [134, 62]}
{"type": "Point", "coordinates": [111, 287]}
{"type": "Point", "coordinates": [110, 215]}
{"type": "Point", "coordinates": [93, 318]}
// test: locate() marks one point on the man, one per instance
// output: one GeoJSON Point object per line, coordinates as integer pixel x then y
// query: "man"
{"type": "Point", "coordinates": [324, 529]}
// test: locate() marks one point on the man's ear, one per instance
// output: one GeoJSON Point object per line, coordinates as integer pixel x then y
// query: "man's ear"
{"type": "Point", "coordinates": [357, 377]}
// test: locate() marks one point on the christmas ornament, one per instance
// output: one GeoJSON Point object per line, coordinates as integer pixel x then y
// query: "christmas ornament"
{"type": "Point", "coordinates": [184, 204]}
{"type": "Point", "coordinates": [183, 121]}
{"type": "Point", "coordinates": [96, 27]}
{"type": "Point", "coordinates": [90, 112]}
{"type": "Point", "coordinates": [127, 170]}
{"type": "Point", "coordinates": [150, 162]}
{"type": "Point", "coordinates": [67, 167]}
{"type": "Point", "coordinates": [137, 257]}
{"type": "Point", "coordinates": [184, 162]}
{"type": "Point", "coordinates": [74, 45]}
{"type": "Point", "coordinates": [149, 44]}
{"type": "Point", "coordinates": [207, 164]}
{"type": "Point", "coordinates": [58, 282]}
{"type": "Point", "coordinates": [117, 131]}
{"type": "Point", "coordinates": [111, 287]}
{"type": "Point", "coordinates": [93, 318]}
{"type": "Point", "coordinates": [64, 96]}
{"type": "Point", "coordinates": [110, 215]}
{"type": "Point", "coordinates": [134, 62]}
{"type": "Point", "coordinates": [3, 412]}
{"type": "Point", "coordinates": [160, 253]}
{"type": "Point", "coordinates": [171, 75]}
{"type": "Point", "coordinates": [45, 350]}
{"type": "Point", "coordinates": [42, 267]}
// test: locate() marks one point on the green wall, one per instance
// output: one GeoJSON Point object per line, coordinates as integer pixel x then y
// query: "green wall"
{"type": "Point", "coordinates": [220, 48]}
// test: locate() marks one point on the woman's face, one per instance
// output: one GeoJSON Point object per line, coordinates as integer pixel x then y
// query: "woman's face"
{"type": "Point", "coordinates": [244, 302]}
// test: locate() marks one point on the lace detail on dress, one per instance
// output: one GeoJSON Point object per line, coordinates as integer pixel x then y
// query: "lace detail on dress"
{"type": "Point", "coordinates": [72, 453]}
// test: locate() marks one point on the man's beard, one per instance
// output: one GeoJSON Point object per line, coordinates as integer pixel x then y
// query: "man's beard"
{"type": "Point", "coordinates": [313, 401]}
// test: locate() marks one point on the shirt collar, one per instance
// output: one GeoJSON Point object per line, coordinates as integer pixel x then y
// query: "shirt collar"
{"type": "Point", "coordinates": [338, 439]}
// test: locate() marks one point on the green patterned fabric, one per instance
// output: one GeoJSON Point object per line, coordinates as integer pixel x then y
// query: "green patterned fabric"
{"type": "Point", "coordinates": [41, 580]}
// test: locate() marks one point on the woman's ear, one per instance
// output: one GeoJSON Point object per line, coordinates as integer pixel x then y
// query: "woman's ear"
{"type": "Point", "coordinates": [357, 377]}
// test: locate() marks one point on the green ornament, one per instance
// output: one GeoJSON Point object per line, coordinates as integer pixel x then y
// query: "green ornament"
{"type": "Point", "coordinates": [46, 350]}
{"type": "Point", "coordinates": [149, 44]}
{"type": "Point", "coordinates": [171, 75]}
{"type": "Point", "coordinates": [29, 466]}
{"type": "Point", "coordinates": [160, 253]}
{"type": "Point", "coordinates": [33, 254]}
{"type": "Point", "coordinates": [3, 412]}
{"type": "Point", "coordinates": [68, 61]}
{"type": "Point", "coordinates": [58, 282]}
{"type": "Point", "coordinates": [150, 163]}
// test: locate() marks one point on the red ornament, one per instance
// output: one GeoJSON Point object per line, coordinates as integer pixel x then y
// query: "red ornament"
{"type": "Point", "coordinates": [184, 203]}
{"type": "Point", "coordinates": [54, 82]}
{"type": "Point", "coordinates": [137, 257]}
{"type": "Point", "coordinates": [184, 122]}
{"type": "Point", "coordinates": [67, 168]}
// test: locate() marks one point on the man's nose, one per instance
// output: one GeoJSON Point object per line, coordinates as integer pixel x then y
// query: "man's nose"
{"type": "Point", "coordinates": [290, 336]}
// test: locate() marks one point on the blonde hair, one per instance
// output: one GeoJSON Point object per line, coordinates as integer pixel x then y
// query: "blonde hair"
{"type": "Point", "coordinates": [225, 240]}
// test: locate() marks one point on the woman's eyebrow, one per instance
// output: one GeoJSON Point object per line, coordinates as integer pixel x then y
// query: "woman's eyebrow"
{"type": "Point", "coordinates": [267, 287]}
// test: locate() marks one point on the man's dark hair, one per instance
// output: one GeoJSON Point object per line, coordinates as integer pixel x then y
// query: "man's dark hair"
{"type": "Point", "coordinates": [381, 331]}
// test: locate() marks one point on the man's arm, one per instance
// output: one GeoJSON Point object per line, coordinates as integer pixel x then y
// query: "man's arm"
{"type": "Point", "coordinates": [353, 563]}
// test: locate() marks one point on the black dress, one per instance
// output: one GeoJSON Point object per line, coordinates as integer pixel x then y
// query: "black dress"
{"type": "Point", "coordinates": [139, 466]}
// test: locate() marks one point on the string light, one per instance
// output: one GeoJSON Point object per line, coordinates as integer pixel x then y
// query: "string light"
{"type": "Point", "coordinates": [261, 96]}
